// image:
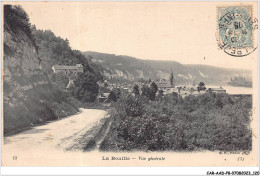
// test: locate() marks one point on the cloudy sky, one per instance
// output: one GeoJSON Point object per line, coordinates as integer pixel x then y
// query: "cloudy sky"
{"type": "Point", "coordinates": [183, 32]}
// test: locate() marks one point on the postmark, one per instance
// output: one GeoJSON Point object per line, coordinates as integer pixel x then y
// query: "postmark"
{"type": "Point", "coordinates": [236, 30]}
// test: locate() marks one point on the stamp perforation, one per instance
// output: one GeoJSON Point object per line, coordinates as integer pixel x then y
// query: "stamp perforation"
{"type": "Point", "coordinates": [235, 23]}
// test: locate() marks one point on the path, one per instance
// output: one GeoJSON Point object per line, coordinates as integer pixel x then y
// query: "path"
{"type": "Point", "coordinates": [64, 134]}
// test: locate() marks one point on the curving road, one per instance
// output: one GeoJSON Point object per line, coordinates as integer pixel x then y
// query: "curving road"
{"type": "Point", "coordinates": [68, 134]}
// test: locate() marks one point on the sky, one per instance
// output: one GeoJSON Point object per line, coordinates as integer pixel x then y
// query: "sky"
{"type": "Point", "coordinates": [185, 32]}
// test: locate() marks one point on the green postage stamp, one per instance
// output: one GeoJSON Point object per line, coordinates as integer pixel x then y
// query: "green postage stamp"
{"type": "Point", "coordinates": [236, 28]}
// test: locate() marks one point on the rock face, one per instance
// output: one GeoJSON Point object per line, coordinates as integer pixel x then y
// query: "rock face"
{"type": "Point", "coordinates": [21, 64]}
{"type": "Point", "coordinates": [29, 97]}
{"type": "Point", "coordinates": [20, 55]}
{"type": "Point", "coordinates": [130, 68]}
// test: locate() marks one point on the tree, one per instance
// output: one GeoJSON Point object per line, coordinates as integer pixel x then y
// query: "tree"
{"type": "Point", "coordinates": [210, 90]}
{"type": "Point", "coordinates": [218, 102]}
{"type": "Point", "coordinates": [105, 85]}
{"type": "Point", "coordinates": [154, 89]}
{"type": "Point", "coordinates": [112, 97]}
{"type": "Point", "coordinates": [160, 95]}
{"type": "Point", "coordinates": [86, 87]}
{"type": "Point", "coordinates": [117, 92]}
{"type": "Point", "coordinates": [230, 101]}
{"type": "Point", "coordinates": [172, 79]}
{"type": "Point", "coordinates": [192, 90]}
{"type": "Point", "coordinates": [60, 80]}
{"type": "Point", "coordinates": [175, 98]}
{"type": "Point", "coordinates": [201, 86]}
{"type": "Point", "coordinates": [146, 91]}
{"type": "Point", "coordinates": [67, 41]}
{"type": "Point", "coordinates": [136, 90]}
{"type": "Point", "coordinates": [16, 18]}
{"type": "Point", "coordinates": [131, 105]}
{"type": "Point", "coordinates": [57, 51]}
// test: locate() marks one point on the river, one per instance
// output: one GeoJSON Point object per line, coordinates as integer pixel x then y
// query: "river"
{"type": "Point", "coordinates": [234, 90]}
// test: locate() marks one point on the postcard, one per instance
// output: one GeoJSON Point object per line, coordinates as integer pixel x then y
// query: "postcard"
{"type": "Point", "coordinates": [129, 83]}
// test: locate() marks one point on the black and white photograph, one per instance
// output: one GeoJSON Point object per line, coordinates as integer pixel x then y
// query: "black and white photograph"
{"type": "Point", "coordinates": [129, 83]}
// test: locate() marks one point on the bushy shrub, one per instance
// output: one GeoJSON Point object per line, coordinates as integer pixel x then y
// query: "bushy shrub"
{"type": "Point", "coordinates": [132, 106]}
{"type": "Point", "coordinates": [60, 80]}
{"type": "Point", "coordinates": [85, 87]}
{"type": "Point", "coordinates": [173, 123]}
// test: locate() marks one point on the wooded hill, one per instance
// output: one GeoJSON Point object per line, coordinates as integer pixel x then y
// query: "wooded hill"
{"type": "Point", "coordinates": [32, 93]}
{"type": "Point", "coordinates": [126, 67]}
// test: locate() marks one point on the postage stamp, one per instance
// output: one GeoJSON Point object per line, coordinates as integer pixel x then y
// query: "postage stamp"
{"type": "Point", "coordinates": [236, 28]}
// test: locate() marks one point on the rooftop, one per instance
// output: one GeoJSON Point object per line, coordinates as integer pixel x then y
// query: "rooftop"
{"type": "Point", "coordinates": [216, 88]}
{"type": "Point", "coordinates": [67, 66]}
{"type": "Point", "coordinates": [163, 84]}
{"type": "Point", "coordinates": [104, 95]}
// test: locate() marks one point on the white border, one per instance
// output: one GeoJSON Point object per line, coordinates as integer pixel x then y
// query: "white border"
{"type": "Point", "coordinates": [119, 170]}
{"type": "Point", "coordinates": [125, 170]}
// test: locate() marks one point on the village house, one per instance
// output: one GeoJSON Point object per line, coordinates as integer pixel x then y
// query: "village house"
{"type": "Point", "coordinates": [103, 97]}
{"type": "Point", "coordinates": [217, 90]}
{"type": "Point", "coordinates": [163, 85]}
{"type": "Point", "coordinates": [78, 68]}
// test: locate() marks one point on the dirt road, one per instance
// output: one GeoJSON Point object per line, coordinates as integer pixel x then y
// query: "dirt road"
{"type": "Point", "coordinates": [68, 134]}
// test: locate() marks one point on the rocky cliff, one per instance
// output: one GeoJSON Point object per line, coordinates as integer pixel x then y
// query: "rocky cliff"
{"type": "Point", "coordinates": [130, 68]}
{"type": "Point", "coordinates": [29, 97]}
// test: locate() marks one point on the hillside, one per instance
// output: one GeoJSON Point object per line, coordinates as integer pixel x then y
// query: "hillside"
{"type": "Point", "coordinates": [130, 68]}
{"type": "Point", "coordinates": [121, 67]}
{"type": "Point", "coordinates": [54, 50]}
{"type": "Point", "coordinates": [29, 96]}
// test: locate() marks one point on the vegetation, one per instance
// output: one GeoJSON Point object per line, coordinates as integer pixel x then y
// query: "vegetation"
{"type": "Point", "coordinates": [60, 80]}
{"type": "Point", "coordinates": [149, 91]}
{"type": "Point", "coordinates": [146, 91]}
{"type": "Point", "coordinates": [42, 103]}
{"type": "Point", "coordinates": [85, 87]}
{"type": "Point", "coordinates": [201, 86]}
{"type": "Point", "coordinates": [206, 122]}
{"type": "Point", "coordinates": [136, 90]}
{"type": "Point", "coordinates": [160, 95]}
{"type": "Point", "coordinates": [33, 95]}
{"type": "Point", "coordinates": [57, 51]}
{"type": "Point", "coordinates": [209, 121]}
{"type": "Point", "coordinates": [117, 92]}
{"type": "Point", "coordinates": [16, 20]}
{"type": "Point", "coordinates": [171, 79]}
{"type": "Point", "coordinates": [154, 89]}
{"type": "Point", "coordinates": [112, 97]}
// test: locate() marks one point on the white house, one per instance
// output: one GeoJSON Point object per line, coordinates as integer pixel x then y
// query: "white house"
{"type": "Point", "coordinates": [78, 68]}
